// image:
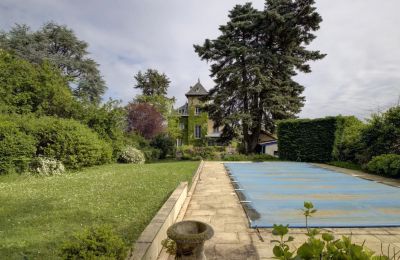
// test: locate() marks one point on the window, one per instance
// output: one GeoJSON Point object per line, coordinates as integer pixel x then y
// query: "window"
{"type": "Point", "coordinates": [197, 111]}
{"type": "Point", "coordinates": [181, 126]}
{"type": "Point", "coordinates": [197, 131]}
{"type": "Point", "coordinates": [178, 142]}
{"type": "Point", "coordinates": [215, 129]}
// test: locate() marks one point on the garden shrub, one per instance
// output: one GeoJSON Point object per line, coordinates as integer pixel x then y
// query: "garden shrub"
{"type": "Point", "coordinates": [151, 154]}
{"type": "Point", "coordinates": [46, 166]}
{"type": "Point", "coordinates": [132, 155]}
{"type": "Point", "coordinates": [16, 148]}
{"type": "Point", "coordinates": [381, 135]}
{"type": "Point", "coordinates": [348, 139]}
{"type": "Point", "coordinates": [386, 165]}
{"type": "Point", "coordinates": [94, 243]}
{"type": "Point", "coordinates": [306, 139]}
{"type": "Point", "coordinates": [165, 144]}
{"type": "Point", "coordinates": [66, 140]}
{"type": "Point", "coordinates": [250, 157]}
{"type": "Point", "coordinates": [188, 152]}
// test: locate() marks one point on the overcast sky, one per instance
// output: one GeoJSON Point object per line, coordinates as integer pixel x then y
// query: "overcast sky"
{"type": "Point", "coordinates": [360, 75]}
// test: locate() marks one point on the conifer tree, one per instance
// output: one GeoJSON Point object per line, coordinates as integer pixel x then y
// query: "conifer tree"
{"type": "Point", "coordinates": [253, 63]}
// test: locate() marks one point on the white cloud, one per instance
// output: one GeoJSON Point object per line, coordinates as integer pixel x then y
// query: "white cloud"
{"type": "Point", "coordinates": [359, 75]}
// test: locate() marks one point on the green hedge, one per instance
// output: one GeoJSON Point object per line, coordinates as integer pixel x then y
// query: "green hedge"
{"type": "Point", "coordinates": [72, 143]}
{"type": "Point", "coordinates": [307, 140]}
{"type": "Point", "coordinates": [16, 148]}
{"type": "Point", "coordinates": [386, 165]}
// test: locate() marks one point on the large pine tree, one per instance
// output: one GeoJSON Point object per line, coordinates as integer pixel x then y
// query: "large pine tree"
{"type": "Point", "coordinates": [253, 63]}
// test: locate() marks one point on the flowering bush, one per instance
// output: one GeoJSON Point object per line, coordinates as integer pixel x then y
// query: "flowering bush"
{"type": "Point", "coordinates": [46, 166]}
{"type": "Point", "coordinates": [132, 155]}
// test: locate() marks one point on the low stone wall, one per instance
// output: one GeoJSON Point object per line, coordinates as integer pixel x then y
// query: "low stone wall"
{"type": "Point", "coordinates": [148, 245]}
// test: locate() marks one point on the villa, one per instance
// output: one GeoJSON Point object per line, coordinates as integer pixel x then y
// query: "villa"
{"type": "Point", "coordinates": [197, 129]}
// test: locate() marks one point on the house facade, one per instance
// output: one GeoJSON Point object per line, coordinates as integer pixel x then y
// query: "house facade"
{"type": "Point", "coordinates": [196, 128]}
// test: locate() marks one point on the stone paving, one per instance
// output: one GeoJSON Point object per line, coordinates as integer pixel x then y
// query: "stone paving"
{"type": "Point", "coordinates": [214, 201]}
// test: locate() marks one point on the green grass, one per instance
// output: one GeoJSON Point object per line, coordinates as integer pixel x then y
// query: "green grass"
{"type": "Point", "coordinates": [37, 213]}
{"type": "Point", "coordinates": [346, 165]}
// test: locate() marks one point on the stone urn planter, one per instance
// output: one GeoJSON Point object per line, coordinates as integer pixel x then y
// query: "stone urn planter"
{"type": "Point", "coordinates": [189, 237]}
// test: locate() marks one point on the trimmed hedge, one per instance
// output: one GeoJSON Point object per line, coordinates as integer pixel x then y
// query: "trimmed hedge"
{"type": "Point", "coordinates": [66, 140]}
{"type": "Point", "coordinates": [387, 165]}
{"type": "Point", "coordinates": [16, 148]}
{"type": "Point", "coordinates": [306, 139]}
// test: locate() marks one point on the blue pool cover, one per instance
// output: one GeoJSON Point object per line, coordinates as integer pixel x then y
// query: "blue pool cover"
{"type": "Point", "coordinates": [275, 192]}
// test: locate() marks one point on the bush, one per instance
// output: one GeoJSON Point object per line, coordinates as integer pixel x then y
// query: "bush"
{"type": "Point", "coordinates": [307, 140]}
{"type": "Point", "coordinates": [348, 139]}
{"type": "Point", "coordinates": [188, 152]}
{"type": "Point", "coordinates": [46, 166]}
{"type": "Point", "coordinates": [16, 148]}
{"type": "Point", "coordinates": [65, 140]}
{"type": "Point", "coordinates": [94, 243]}
{"type": "Point", "coordinates": [132, 155]}
{"type": "Point", "coordinates": [165, 144]}
{"type": "Point", "coordinates": [386, 165]}
{"type": "Point", "coordinates": [381, 135]}
{"type": "Point", "coordinates": [346, 165]}
{"type": "Point", "coordinates": [151, 154]}
{"type": "Point", "coordinates": [250, 157]}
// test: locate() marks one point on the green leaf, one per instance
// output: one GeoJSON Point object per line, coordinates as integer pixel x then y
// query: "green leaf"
{"type": "Point", "coordinates": [327, 237]}
{"type": "Point", "coordinates": [278, 252]}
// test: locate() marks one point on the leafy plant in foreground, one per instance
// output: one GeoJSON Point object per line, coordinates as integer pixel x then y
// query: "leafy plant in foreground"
{"type": "Point", "coordinates": [321, 247]}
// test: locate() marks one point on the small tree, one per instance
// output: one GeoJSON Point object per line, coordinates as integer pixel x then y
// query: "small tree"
{"type": "Point", "coordinates": [144, 119]}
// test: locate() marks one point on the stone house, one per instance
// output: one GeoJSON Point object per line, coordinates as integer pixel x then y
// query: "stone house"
{"type": "Point", "coordinates": [197, 129]}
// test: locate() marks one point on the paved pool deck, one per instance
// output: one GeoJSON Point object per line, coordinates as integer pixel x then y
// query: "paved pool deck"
{"type": "Point", "coordinates": [215, 202]}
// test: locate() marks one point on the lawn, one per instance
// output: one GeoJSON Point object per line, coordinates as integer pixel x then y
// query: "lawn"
{"type": "Point", "coordinates": [37, 213]}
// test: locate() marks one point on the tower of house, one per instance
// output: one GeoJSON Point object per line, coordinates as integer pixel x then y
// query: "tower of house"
{"type": "Point", "coordinates": [196, 128]}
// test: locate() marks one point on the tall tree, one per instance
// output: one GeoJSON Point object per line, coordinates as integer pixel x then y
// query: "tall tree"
{"type": "Point", "coordinates": [58, 45]}
{"type": "Point", "coordinates": [152, 83]}
{"type": "Point", "coordinates": [253, 63]}
{"type": "Point", "coordinates": [145, 120]}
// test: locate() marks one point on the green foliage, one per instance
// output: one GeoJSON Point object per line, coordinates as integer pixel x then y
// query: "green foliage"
{"type": "Point", "coordinates": [194, 120]}
{"type": "Point", "coordinates": [386, 164]}
{"type": "Point", "coordinates": [151, 154]}
{"type": "Point", "coordinates": [132, 155]}
{"type": "Point", "coordinates": [323, 248]}
{"type": "Point", "coordinates": [348, 139]}
{"type": "Point", "coordinates": [152, 83]}
{"type": "Point", "coordinates": [65, 140]}
{"type": "Point", "coordinates": [94, 243]}
{"type": "Point", "coordinates": [165, 144]}
{"type": "Point", "coordinates": [27, 88]}
{"type": "Point", "coordinates": [253, 63]}
{"type": "Point", "coordinates": [189, 152]}
{"type": "Point", "coordinates": [307, 140]}
{"type": "Point", "coordinates": [381, 135]}
{"type": "Point", "coordinates": [58, 45]}
{"type": "Point", "coordinates": [248, 157]}
{"type": "Point", "coordinates": [16, 147]}
{"type": "Point", "coordinates": [107, 120]}
{"type": "Point", "coordinates": [346, 165]}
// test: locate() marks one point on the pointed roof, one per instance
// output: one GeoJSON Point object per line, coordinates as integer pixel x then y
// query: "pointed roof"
{"type": "Point", "coordinates": [197, 90]}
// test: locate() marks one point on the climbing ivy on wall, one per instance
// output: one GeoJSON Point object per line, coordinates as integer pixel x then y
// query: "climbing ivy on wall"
{"type": "Point", "coordinates": [196, 120]}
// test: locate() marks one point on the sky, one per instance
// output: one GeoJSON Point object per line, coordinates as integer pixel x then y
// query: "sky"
{"type": "Point", "coordinates": [359, 76]}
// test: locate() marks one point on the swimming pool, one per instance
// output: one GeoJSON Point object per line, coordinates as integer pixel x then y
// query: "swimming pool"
{"type": "Point", "coordinates": [274, 192]}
